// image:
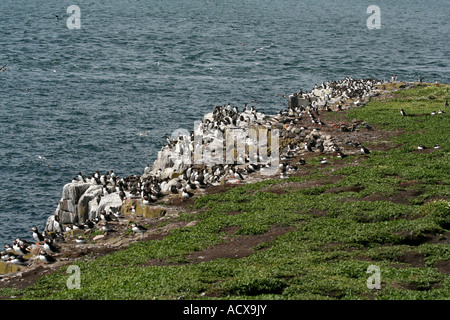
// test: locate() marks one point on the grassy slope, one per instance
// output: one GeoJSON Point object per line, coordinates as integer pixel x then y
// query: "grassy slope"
{"type": "Point", "coordinates": [334, 237]}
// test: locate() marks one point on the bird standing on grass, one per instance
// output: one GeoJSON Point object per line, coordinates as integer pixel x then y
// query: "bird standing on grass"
{"type": "Point", "coordinates": [402, 112]}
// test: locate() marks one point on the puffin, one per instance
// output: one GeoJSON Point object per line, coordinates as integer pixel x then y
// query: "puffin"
{"type": "Point", "coordinates": [37, 236]}
{"type": "Point", "coordinates": [50, 247]}
{"type": "Point", "coordinates": [80, 239]}
{"type": "Point", "coordinates": [45, 257]}
{"type": "Point", "coordinates": [19, 260]}
{"type": "Point", "coordinates": [364, 150]}
{"type": "Point", "coordinates": [138, 228]}
{"type": "Point", "coordinates": [186, 194]}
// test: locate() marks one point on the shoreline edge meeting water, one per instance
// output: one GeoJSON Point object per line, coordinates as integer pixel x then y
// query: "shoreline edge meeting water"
{"type": "Point", "coordinates": [226, 146]}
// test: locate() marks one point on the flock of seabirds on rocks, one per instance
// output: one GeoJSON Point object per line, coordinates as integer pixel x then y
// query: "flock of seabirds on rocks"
{"type": "Point", "coordinates": [150, 188]}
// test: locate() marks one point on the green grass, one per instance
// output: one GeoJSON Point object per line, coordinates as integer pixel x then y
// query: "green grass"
{"type": "Point", "coordinates": [333, 237]}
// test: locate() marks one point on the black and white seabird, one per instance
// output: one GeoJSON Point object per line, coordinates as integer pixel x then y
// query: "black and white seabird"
{"type": "Point", "coordinates": [80, 239]}
{"type": "Point", "coordinates": [18, 260]}
{"type": "Point", "coordinates": [45, 257]}
{"type": "Point", "coordinates": [37, 236]}
{"type": "Point", "coordinates": [402, 112]}
{"type": "Point", "coordinates": [50, 247]}
{"type": "Point", "coordinates": [138, 228]}
{"type": "Point", "coordinates": [81, 178]}
{"type": "Point", "coordinates": [106, 227]}
{"type": "Point", "coordinates": [186, 194]}
{"type": "Point", "coordinates": [364, 150]}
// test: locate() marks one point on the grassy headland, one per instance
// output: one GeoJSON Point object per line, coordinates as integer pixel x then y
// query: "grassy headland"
{"type": "Point", "coordinates": [311, 236]}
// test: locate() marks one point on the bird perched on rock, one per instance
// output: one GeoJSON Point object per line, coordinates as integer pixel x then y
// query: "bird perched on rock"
{"type": "Point", "coordinates": [81, 177]}
{"type": "Point", "coordinates": [45, 257]}
{"type": "Point", "coordinates": [19, 260]}
{"type": "Point", "coordinates": [50, 247]}
{"type": "Point", "coordinates": [37, 236]}
{"type": "Point", "coordinates": [21, 250]}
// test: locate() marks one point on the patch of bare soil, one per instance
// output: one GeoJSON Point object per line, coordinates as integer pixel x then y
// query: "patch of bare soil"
{"type": "Point", "coordinates": [400, 197]}
{"type": "Point", "coordinates": [237, 246]}
{"type": "Point", "coordinates": [443, 266]}
{"type": "Point", "coordinates": [345, 189]}
{"type": "Point", "coordinates": [415, 259]}
{"type": "Point", "coordinates": [288, 186]}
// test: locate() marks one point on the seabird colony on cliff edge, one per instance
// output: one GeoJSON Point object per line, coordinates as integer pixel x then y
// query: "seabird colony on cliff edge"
{"type": "Point", "coordinates": [183, 179]}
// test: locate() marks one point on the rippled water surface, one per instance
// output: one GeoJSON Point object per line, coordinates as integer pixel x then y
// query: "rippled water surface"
{"type": "Point", "coordinates": [104, 97]}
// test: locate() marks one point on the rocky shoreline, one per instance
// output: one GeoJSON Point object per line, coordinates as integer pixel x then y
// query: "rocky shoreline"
{"type": "Point", "coordinates": [95, 206]}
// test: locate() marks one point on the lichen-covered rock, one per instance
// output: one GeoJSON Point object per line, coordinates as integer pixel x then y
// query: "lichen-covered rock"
{"type": "Point", "coordinates": [141, 209]}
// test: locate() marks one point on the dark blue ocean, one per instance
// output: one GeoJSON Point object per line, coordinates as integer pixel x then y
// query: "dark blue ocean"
{"type": "Point", "coordinates": [104, 96]}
